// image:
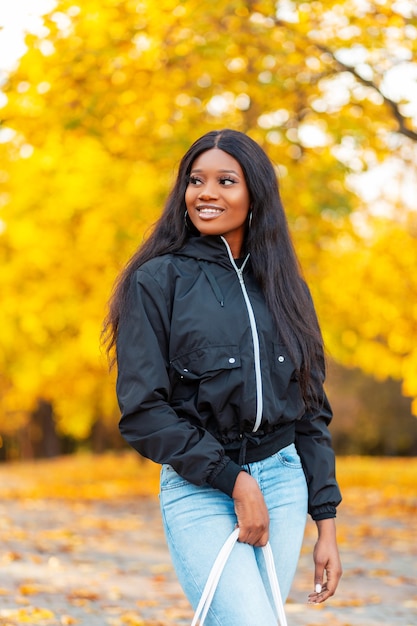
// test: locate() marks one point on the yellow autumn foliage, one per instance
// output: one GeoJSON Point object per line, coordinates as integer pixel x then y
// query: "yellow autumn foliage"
{"type": "Point", "coordinates": [99, 112]}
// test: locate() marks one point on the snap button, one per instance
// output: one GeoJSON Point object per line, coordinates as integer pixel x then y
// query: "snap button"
{"type": "Point", "coordinates": [281, 359]}
{"type": "Point", "coordinates": [232, 360]}
{"type": "Point", "coordinates": [185, 369]}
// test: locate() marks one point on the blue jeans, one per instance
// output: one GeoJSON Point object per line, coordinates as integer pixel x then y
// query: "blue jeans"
{"type": "Point", "coordinates": [198, 520]}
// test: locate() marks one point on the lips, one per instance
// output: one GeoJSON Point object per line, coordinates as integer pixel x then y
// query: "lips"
{"type": "Point", "coordinates": [209, 211]}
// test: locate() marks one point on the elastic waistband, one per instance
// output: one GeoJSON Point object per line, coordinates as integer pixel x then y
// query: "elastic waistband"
{"type": "Point", "coordinates": [252, 447]}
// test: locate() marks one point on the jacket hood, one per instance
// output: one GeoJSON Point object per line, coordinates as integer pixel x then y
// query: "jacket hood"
{"type": "Point", "coordinates": [208, 248]}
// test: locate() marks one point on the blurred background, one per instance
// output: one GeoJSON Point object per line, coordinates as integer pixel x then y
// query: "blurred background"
{"type": "Point", "coordinates": [98, 102]}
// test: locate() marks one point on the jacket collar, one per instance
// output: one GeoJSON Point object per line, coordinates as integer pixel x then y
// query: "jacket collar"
{"type": "Point", "coordinates": [207, 248]}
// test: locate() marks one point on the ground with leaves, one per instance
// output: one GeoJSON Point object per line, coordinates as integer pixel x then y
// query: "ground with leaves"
{"type": "Point", "coordinates": [81, 543]}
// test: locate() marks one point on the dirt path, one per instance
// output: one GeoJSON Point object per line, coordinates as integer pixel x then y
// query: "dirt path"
{"type": "Point", "coordinates": [106, 564]}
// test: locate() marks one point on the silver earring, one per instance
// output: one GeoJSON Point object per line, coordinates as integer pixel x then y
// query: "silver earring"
{"type": "Point", "coordinates": [250, 219]}
{"type": "Point", "coordinates": [187, 226]}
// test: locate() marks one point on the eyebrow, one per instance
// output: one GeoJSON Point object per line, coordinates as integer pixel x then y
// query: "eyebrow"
{"type": "Point", "coordinates": [219, 171]}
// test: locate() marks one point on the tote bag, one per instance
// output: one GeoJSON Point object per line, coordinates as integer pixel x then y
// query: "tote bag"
{"type": "Point", "coordinates": [216, 571]}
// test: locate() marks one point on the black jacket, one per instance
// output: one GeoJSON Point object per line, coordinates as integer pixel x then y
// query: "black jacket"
{"type": "Point", "coordinates": [204, 383]}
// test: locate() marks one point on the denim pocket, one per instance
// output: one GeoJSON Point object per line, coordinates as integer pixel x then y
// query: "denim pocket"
{"type": "Point", "coordinates": [170, 479]}
{"type": "Point", "coordinates": [289, 457]}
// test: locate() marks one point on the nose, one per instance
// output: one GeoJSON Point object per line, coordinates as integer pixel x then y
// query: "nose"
{"type": "Point", "coordinates": [207, 191]}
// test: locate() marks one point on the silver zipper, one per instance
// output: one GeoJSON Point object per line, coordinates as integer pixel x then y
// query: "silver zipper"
{"type": "Point", "coordinates": [255, 338]}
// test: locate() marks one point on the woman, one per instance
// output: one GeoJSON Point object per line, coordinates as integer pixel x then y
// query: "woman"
{"type": "Point", "coordinates": [220, 379]}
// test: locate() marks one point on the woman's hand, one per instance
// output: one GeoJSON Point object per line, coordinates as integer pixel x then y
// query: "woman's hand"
{"type": "Point", "coordinates": [326, 560]}
{"type": "Point", "coordinates": [252, 514]}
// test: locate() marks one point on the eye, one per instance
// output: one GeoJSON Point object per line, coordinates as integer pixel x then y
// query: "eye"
{"type": "Point", "coordinates": [193, 180]}
{"type": "Point", "coordinates": [226, 181]}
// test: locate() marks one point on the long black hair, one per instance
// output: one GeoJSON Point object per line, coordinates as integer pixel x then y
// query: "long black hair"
{"type": "Point", "coordinates": [268, 241]}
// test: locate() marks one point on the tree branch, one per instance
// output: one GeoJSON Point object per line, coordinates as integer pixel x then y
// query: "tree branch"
{"type": "Point", "coordinates": [403, 129]}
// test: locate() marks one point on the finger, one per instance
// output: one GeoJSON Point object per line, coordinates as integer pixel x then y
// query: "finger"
{"type": "Point", "coordinates": [331, 584]}
{"type": "Point", "coordinates": [262, 541]}
{"type": "Point", "coordinates": [256, 538]}
{"type": "Point", "coordinates": [333, 575]}
{"type": "Point", "coordinates": [316, 597]}
{"type": "Point", "coordinates": [327, 590]}
{"type": "Point", "coordinates": [318, 577]}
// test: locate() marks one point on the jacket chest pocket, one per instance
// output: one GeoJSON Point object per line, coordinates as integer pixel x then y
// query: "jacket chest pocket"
{"type": "Point", "coordinates": [205, 363]}
{"type": "Point", "coordinates": [284, 368]}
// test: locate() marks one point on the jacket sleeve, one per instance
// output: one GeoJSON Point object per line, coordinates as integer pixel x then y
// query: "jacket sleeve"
{"type": "Point", "coordinates": [314, 446]}
{"type": "Point", "coordinates": [148, 423]}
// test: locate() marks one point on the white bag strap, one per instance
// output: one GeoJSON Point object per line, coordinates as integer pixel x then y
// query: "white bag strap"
{"type": "Point", "coordinates": [214, 577]}
{"type": "Point", "coordinates": [216, 572]}
{"type": "Point", "coordinates": [273, 581]}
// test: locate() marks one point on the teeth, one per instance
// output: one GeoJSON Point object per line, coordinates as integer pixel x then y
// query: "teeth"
{"type": "Point", "coordinates": [210, 210]}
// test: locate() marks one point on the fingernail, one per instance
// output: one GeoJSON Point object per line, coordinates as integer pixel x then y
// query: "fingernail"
{"type": "Point", "coordinates": [318, 588]}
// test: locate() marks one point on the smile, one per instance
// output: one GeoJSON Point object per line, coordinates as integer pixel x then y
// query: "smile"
{"type": "Point", "coordinates": [209, 211]}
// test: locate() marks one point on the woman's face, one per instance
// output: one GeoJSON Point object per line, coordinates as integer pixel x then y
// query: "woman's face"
{"type": "Point", "coordinates": [217, 197]}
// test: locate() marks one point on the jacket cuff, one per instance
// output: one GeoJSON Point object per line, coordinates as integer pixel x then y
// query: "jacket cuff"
{"type": "Point", "coordinates": [323, 512]}
{"type": "Point", "coordinates": [226, 478]}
